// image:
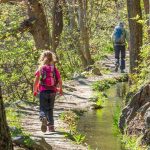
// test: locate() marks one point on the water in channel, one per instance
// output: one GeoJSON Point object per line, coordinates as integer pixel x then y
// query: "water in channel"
{"type": "Point", "coordinates": [97, 125]}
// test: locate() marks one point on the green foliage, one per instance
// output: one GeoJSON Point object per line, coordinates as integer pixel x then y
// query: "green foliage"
{"type": "Point", "coordinates": [18, 58]}
{"type": "Point", "coordinates": [27, 140]}
{"type": "Point", "coordinates": [18, 65]}
{"type": "Point", "coordinates": [100, 43]}
{"type": "Point", "coordinates": [99, 98]}
{"type": "Point", "coordinates": [75, 136]}
{"type": "Point", "coordinates": [79, 138]}
{"type": "Point", "coordinates": [105, 71]}
{"type": "Point", "coordinates": [99, 103]}
{"type": "Point", "coordinates": [89, 147]}
{"type": "Point", "coordinates": [11, 17]}
{"type": "Point", "coordinates": [15, 126]}
{"type": "Point", "coordinates": [17, 132]}
{"type": "Point", "coordinates": [132, 142]}
{"type": "Point", "coordinates": [68, 52]}
{"type": "Point", "coordinates": [143, 75]}
{"type": "Point", "coordinates": [103, 84]}
{"type": "Point", "coordinates": [116, 117]}
{"type": "Point", "coordinates": [102, 23]}
{"type": "Point", "coordinates": [71, 118]}
{"type": "Point", "coordinates": [70, 63]}
{"type": "Point", "coordinates": [13, 117]}
{"type": "Point", "coordinates": [128, 142]}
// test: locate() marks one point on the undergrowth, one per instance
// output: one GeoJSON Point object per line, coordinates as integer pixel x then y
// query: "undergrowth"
{"type": "Point", "coordinates": [71, 119]}
{"type": "Point", "coordinates": [143, 76]}
{"type": "Point", "coordinates": [15, 127]}
{"type": "Point", "coordinates": [138, 80]}
{"type": "Point", "coordinates": [132, 143]}
{"type": "Point", "coordinates": [99, 98]}
{"type": "Point", "coordinates": [116, 117]}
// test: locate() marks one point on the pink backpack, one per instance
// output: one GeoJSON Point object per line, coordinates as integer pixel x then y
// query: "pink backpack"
{"type": "Point", "coordinates": [48, 76]}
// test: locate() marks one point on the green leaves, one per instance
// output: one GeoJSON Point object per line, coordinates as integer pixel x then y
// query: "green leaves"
{"type": "Point", "coordinates": [17, 70]}
{"type": "Point", "coordinates": [18, 59]}
{"type": "Point", "coordinates": [71, 118]}
{"type": "Point", "coordinates": [79, 138]}
{"type": "Point", "coordinates": [143, 77]}
{"type": "Point", "coordinates": [103, 84]}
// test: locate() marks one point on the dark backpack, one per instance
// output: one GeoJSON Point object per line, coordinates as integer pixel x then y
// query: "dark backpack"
{"type": "Point", "coordinates": [119, 35]}
{"type": "Point", "coordinates": [48, 76]}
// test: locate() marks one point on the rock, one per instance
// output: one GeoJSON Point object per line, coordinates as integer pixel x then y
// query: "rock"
{"type": "Point", "coordinates": [137, 101]}
{"type": "Point", "coordinates": [122, 120]}
{"type": "Point", "coordinates": [41, 144]}
{"type": "Point", "coordinates": [98, 64]}
{"type": "Point", "coordinates": [13, 129]}
{"type": "Point", "coordinates": [95, 106]}
{"type": "Point", "coordinates": [88, 68]}
{"type": "Point", "coordinates": [37, 143]}
{"type": "Point", "coordinates": [76, 76]}
{"type": "Point", "coordinates": [19, 140]}
{"type": "Point", "coordinates": [146, 138]}
{"type": "Point", "coordinates": [129, 95]}
{"type": "Point", "coordinates": [144, 109]}
{"type": "Point", "coordinates": [136, 115]}
{"type": "Point", "coordinates": [96, 71]}
{"type": "Point", "coordinates": [147, 118]}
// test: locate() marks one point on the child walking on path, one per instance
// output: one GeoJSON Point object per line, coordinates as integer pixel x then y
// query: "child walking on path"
{"type": "Point", "coordinates": [47, 83]}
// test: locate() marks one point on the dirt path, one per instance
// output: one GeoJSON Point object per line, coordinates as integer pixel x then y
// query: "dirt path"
{"type": "Point", "coordinates": [76, 98]}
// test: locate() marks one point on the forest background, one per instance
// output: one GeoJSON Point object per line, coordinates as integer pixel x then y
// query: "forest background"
{"type": "Point", "coordinates": [78, 31]}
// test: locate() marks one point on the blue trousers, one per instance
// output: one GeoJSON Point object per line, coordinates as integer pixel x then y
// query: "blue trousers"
{"type": "Point", "coordinates": [47, 99]}
{"type": "Point", "coordinates": [120, 51]}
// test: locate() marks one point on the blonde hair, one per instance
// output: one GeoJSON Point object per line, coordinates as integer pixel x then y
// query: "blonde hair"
{"type": "Point", "coordinates": [46, 58]}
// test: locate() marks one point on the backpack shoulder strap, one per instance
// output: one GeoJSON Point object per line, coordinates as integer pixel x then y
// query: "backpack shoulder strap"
{"type": "Point", "coordinates": [55, 76]}
{"type": "Point", "coordinates": [40, 69]}
{"type": "Point", "coordinates": [41, 72]}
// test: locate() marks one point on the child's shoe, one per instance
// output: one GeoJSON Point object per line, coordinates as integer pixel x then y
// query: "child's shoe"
{"type": "Point", "coordinates": [44, 124]}
{"type": "Point", "coordinates": [51, 128]}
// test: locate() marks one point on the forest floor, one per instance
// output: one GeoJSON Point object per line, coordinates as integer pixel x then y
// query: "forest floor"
{"type": "Point", "coordinates": [76, 97]}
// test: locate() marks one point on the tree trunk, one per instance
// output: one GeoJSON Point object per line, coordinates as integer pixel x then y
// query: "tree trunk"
{"type": "Point", "coordinates": [39, 28]}
{"type": "Point", "coordinates": [87, 47]}
{"type": "Point", "coordinates": [71, 9]}
{"type": "Point", "coordinates": [5, 138]}
{"type": "Point", "coordinates": [117, 10]}
{"type": "Point", "coordinates": [80, 53]}
{"type": "Point", "coordinates": [147, 11]}
{"type": "Point", "coordinates": [57, 24]}
{"type": "Point", "coordinates": [134, 10]}
{"type": "Point", "coordinates": [84, 35]}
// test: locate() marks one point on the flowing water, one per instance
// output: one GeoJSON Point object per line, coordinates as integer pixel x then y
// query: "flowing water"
{"type": "Point", "coordinates": [98, 125]}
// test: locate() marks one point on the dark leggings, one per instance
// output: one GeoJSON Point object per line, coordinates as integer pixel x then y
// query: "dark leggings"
{"type": "Point", "coordinates": [47, 99]}
{"type": "Point", "coordinates": [120, 49]}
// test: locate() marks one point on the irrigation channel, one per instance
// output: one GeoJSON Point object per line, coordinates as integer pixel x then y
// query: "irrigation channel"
{"type": "Point", "coordinates": [98, 126]}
